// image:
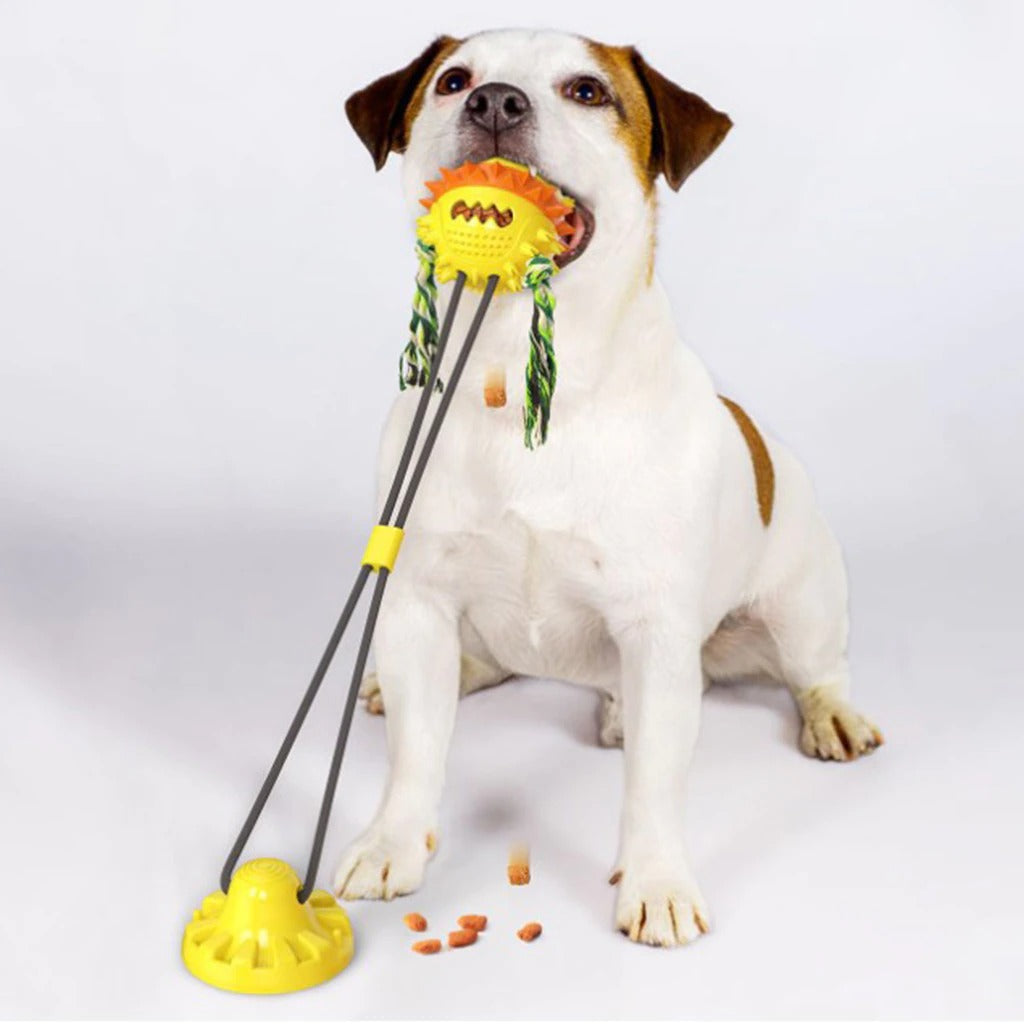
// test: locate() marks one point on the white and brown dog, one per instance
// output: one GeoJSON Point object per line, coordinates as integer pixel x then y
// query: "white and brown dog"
{"type": "Point", "coordinates": [655, 542]}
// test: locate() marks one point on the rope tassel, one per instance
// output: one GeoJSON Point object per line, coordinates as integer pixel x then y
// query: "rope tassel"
{"type": "Point", "coordinates": [541, 367]}
{"type": "Point", "coordinates": [418, 356]}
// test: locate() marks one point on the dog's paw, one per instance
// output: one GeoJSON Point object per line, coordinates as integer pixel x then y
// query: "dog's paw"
{"type": "Point", "coordinates": [384, 863]}
{"type": "Point", "coordinates": [369, 691]}
{"type": "Point", "coordinates": [610, 730]}
{"type": "Point", "coordinates": [658, 909]}
{"type": "Point", "coordinates": [832, 730]}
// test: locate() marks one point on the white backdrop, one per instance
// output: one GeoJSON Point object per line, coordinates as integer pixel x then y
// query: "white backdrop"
{"type": "Point", "coordinates": [203, 293]}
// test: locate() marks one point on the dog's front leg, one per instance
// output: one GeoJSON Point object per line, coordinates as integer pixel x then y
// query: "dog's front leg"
{"type": "Point", "coordinates": [658, 900]}
{"type": "Point", "coordinates": [417, 654]}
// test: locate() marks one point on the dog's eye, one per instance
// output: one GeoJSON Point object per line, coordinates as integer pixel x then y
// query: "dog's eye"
{"type": "Point", "coordinates": [586, 90]}
{"type": "Point", "coordinates": [452, 81]}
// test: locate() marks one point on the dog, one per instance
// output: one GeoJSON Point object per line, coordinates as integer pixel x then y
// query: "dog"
{"type": "Point", "coordinates": [657, 542]}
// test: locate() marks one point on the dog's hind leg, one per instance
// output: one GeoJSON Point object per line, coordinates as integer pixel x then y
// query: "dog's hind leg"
{"type": "Point", "coordinates": [807, 621]}
{"type": "Point", "coordinates": [740, 648]}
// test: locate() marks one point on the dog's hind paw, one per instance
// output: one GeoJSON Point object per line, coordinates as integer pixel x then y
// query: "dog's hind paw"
{"type": "Point", "coordinates": [658, 910]}
{"type": "Point", "coordinates": [832, 730]}
{"type": "Point", "coordinates": [381, 865]}
{"type": "Point", "coordinates": [369, 691]}
{"type": "Point", "coordinates": [610, 730]}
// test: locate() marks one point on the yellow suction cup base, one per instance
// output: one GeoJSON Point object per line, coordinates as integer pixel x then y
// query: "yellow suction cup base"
{"type": "Point", "coordinates": [260, 940]}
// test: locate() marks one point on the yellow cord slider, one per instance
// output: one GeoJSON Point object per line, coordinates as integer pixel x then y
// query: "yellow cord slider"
{"type": "Point", "coordinates": [382, 548]}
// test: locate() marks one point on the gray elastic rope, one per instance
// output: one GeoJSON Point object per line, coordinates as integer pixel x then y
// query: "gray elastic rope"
{"type": "Point", "coordinates": [356, 592]}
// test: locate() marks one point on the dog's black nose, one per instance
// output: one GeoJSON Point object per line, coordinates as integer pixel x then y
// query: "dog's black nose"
{"type": "Point", "coordinates": [497, 106]}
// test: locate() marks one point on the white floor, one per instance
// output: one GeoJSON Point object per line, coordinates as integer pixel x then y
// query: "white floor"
{"type": "Point", "coordinates": [148, 690]}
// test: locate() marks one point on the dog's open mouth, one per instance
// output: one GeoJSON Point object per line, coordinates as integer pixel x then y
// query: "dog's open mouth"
{"type": "Point", "coordinates": [581, 221]}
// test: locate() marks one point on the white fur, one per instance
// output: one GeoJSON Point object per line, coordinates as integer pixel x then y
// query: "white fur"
{"type": "Point", "coordinates": [611, 555]}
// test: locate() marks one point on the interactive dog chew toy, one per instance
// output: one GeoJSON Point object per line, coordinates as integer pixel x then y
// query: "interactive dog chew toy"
{"type": "Point", "coordinates": [492, 226]}
{"type": "Point", "coordinates": [484, 220]}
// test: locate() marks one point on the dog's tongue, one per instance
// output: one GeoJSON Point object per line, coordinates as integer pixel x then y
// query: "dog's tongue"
{"type": "Point", "coordinates": [575, 221]}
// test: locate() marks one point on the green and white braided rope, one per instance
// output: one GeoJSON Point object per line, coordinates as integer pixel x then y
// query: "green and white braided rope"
{"type": "Point", "coordinates": [414, 364]}
{"type": "Point", "coordinates": [541, 368]}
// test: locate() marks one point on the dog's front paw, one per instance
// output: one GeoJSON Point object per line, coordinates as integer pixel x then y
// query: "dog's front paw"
{"type": "Point", "coordinates": [832, 730]}
{"type": "Point", "coordinates": [659, 908]}
{"type": "Point", "coordinates": [384, 863]}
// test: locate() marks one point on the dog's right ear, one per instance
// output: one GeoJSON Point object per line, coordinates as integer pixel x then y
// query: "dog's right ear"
{"type": "Point", "coordinates": [382, 113]}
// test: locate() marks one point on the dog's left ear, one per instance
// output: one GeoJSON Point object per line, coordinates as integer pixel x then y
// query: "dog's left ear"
{"type": "Point", "coordinates": [378, 112]}
{"type": "Point", "coordinates": [685, 130]}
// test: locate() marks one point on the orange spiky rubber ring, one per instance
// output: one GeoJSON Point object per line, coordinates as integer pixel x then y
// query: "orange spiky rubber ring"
{"type": "Point", "coordinates": [491, 218]}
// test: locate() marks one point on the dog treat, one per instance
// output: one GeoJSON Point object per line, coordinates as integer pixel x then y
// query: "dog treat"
{"type": "Point", "coordinates": [415, 922]}
{"type": "Point", "coordinates": [427, 946]}
{"type": "Point", "coordinates": [494, 387]}
{"type": "Point", "coordinates": [474, 922]}
{"type": "Point", "coordinates": [463, 937]}
{"type": "Point", "coordinates": [519, 865]}
{"type": "Point", "coordinates": [530, 931]}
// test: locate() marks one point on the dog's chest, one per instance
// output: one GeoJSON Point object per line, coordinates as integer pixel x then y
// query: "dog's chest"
{"type": "Point", "coordinates": [523, 555]}
{"type": "Point", "coordinates": [533, 545]}
{"type": "Point", "coordinates": [528, 594]}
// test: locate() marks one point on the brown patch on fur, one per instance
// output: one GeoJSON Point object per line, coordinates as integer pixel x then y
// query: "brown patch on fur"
{"type": "Point", "coordinates": [382, 114]}
{"type": "Point", "coordinates": [635, 124]}
{"type": "Point", "coordinates": [668, 130]}
{"type": "Point", "coordinates": [447, 46]}
{"type": "Point", "coordinates": [652, 236]}
{"type": "Point", "coordinates": [764, 471]}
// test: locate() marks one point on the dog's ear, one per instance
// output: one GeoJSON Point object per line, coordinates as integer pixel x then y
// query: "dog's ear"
{"type": "Point", "coordinates": [685, 130]}
{"type": "Point", "coordinates": [378, 112]}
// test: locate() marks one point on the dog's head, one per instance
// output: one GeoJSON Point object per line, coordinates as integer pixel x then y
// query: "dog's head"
{"type": "Point", "coordinates": [595, 120]}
